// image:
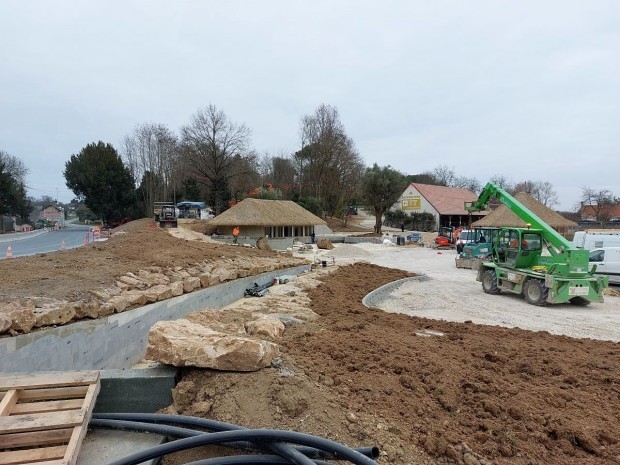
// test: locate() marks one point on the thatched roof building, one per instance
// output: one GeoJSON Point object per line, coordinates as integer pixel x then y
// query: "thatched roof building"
{"type": "Point", "coordinates": [272, 218]}
{"type": "Point", "coordinates": [502, 216]}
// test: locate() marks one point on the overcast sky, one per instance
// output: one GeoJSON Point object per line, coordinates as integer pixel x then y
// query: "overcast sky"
{"type": "Point", "coordinates": [525, 89]}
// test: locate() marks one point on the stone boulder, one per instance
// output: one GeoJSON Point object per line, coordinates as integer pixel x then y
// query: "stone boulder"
{"type": "Point", "coordinates": [266, 326]}
{"type": "Point", "coordinates": [183, 343]}
{"type": "Point", "coordinates": [5, 323]}
{"type": "Point", "coordinates": [21, 314]}
{"type": "Point", "coordinates": [176, 288]}
{"type": "Point", "coordinates": [325, 244]}
{"type": "Point", "coordinates": [86, 308]}
{"type": "Point", "coordinates": [51, 314]}
{"type": "Point", "coordinates": [191, 283]}
{"type": "Point", "coordinates": [262, 243]}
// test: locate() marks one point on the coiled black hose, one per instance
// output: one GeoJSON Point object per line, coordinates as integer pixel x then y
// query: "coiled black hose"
{"type": "Point", "coordinates": [229, 434]}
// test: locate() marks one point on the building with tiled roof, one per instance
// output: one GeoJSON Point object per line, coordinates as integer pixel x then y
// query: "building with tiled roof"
{"type": "Point", "coordinates": [600, 213]}
{"type": "Point", "coordinates": [445, 203]}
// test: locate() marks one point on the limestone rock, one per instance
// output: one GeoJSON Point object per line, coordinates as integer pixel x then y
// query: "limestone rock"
{"type": "Point", "coordinates": [106, 309]}
{"type": "Point", "coordinates": [262, 243]}
{"type": "Point", "coordinates": [153, 279]}
{"type": "Point", "coordinates": [135, 298]}
{"type": "Point", "coordinates": [86, 308]}
{"type": "Point", "coordinates": [224, 274]}
{"type": "Point", "coordinates": [162, 291]}
{"type": "Point", "coordinates": [207, 280]}
{"type": "Point", "coordinates": [267, 326]}
{"type": "Point", "coordinates": [132, 282]}
{"type": "Point", "coordinates": [54, 314]}
{"type": "Point", "coordinates": [5, 323]}
{"type": "Point", "coordinates": [105, 294]}
{"type": "Point", "coordinates": [191, 283]}
{"type": "Point", "coordinates": [119, 302]}
{"type": "Point", "coordinates": [325, 244]}
{"type": "Point", "coordinates": [150, 295]}
{"type": "Point", "coordinates": [183, 343]}
{"type": "Point", "coordinates": [176, 288]}
{"type": "Point", "coordinates": [21, 314]}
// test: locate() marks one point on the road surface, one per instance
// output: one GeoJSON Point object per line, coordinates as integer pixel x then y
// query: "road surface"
{"type": "Point", "coordinates": [72, 236]}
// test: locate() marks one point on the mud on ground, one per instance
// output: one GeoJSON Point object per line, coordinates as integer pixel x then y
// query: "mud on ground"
{"type": "Point", "coordinates": [425, 391]}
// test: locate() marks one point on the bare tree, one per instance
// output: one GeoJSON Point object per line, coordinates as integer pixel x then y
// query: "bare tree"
{"type": "Point", "coordinates": [14, 166]}
{"type": "Point", "coordinates": [600, 202]}
{"type": "Point", "coordinates": [212, 146]}
{"type": "Point", "coordinates": [545, 194]}
{"type": "Point", "coordinates": [444, 175]}
{"type": "Point", "coordinates": [503, 182]}
{"type": "Point", "coordinates": [152, 152]}
{"type": "Point", "coordinates": [327, 159]}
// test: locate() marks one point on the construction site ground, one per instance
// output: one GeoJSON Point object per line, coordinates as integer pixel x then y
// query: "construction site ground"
{"type": "Point", "coordinates": [502, 382]}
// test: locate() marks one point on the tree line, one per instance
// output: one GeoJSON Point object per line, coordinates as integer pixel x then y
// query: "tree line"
{"type": "Point", "coordinates": [211, 159]}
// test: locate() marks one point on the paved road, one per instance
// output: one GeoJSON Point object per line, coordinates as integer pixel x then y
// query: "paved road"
{"type": "Point", "coordinates": [73, 236]}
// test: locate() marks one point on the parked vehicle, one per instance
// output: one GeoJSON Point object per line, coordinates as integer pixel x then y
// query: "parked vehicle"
{"type": "Point", "coordinates": [465, 237]}
{"type": "Point", "coordinates": [481, 246]}
{"type": "Point", "coordinates": [591, 239]}
{"type": "Point", "coordinates": [536, 261]}
{"type": "Point", "coordinates": [607, 261]}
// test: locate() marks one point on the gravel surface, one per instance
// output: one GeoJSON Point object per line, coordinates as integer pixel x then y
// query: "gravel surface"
{"type": "Point", "coordinates": [453, 294]}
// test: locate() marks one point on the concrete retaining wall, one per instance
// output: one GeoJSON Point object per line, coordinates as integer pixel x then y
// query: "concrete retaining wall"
{"type": "Point", "coordinates": [117, 341]}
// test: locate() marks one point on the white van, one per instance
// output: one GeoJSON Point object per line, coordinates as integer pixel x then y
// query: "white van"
{"type": "Point", "coordinates": [591, 239]}
{"type": "Point", "coordinates": [607, 261]}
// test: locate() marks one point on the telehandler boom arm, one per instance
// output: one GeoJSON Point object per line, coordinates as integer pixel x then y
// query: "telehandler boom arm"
{"type": "Point", "coordinates": [492, 190]}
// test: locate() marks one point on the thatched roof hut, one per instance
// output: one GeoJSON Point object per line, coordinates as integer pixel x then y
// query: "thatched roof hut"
{"type": "Point", "coordinates": [273, 218]}
{"type": "Point", "coordinates": [502, 216]}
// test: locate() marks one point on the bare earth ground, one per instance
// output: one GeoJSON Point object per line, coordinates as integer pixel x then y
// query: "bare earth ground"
{"type": "Point", "coordinates": [425, 391]}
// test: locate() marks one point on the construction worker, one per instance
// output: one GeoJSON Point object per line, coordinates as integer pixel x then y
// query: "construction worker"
{"type": "Point", "coordinates": [235, 234]}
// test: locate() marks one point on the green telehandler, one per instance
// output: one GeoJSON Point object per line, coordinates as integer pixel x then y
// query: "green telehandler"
{"type": "Point", "coordinates": [536, 261]}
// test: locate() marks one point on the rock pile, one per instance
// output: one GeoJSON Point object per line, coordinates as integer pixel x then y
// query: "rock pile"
{"type": "Point", "coordinates": [131, 290]}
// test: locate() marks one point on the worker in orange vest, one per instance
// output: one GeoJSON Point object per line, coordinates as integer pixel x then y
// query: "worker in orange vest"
{"type": "Point", "coordinates": [235, 234]}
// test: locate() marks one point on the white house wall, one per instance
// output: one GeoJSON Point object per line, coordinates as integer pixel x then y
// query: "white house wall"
{"type": "Point", "coordinates": [411, 201]}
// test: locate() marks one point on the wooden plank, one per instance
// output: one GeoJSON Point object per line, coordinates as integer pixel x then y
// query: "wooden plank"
{"type": "Point", "coordinates": [40, 438]}
{"type": "Point", "coordinates": [78, 378]}
{"type": "Point", "coordinates": [41, 421]}
{"type": "Point", "coordinates": [71, 454]}
{"type": "Point", "coordinates": [77, 392]}
{"type": "Point", "coordinates": [32, 455]}
{"type": "Point", "coordinates": [48, 406]}
{"type": "Point", "coordinates": [8, 402]}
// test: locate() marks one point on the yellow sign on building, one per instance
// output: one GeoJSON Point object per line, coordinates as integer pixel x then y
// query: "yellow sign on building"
{"type": "Point", "coordinates": [411, 203]}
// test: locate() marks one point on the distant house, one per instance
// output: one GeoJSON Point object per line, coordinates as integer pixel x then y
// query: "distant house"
{"type": "Point", "coordinates": [502, 216]}
{"type": "Point", "coordinates": [445, 203]}
{"type": "Point", "coordinates": [276, 219]}
{"type": "Point", "coordinates": [607, 213]}
{"type": "Point", "coordinates": [53, 214]}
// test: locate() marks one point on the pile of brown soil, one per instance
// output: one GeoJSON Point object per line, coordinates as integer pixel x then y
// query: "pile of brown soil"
{"type": "Point", "coordinates": [133, 246]}
{"type": "Point", "coordinates": [460, 393]}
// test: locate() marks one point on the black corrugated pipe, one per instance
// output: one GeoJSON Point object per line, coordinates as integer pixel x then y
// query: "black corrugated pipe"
{"type": "Point", "coordinates": [248, 460]}
{"type": "Point", "coordinates": [174, 431]}
{"type": "Point", "coordinates": [289, 453]}
{"type": "Point", "coordinates": [247, 435]}
{"type": "Point", "coordinates": [214, 425]}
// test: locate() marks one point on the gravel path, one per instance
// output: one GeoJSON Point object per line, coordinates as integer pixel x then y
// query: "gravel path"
{"type": "Point", "coordinates": [454, 294]}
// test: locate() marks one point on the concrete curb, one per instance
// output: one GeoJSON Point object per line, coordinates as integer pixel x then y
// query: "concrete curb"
{"type": "Point", "coordinates": [11, 237]}
{"type": "Point", "coordinates": [374, 298]}
{"type": "Point", "coordinates": [117, 341]}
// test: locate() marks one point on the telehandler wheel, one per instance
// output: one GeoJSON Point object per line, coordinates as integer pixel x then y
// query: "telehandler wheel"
{"type": "Point", "coordinates": [535, 292]}
{"type": "Point", "coordinates": [580, 301]}
{"type": "Point", "coordinates": [489, 282]}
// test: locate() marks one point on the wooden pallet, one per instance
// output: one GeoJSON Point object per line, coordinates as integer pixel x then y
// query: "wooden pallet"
{"type": "Point", "coordinates": [44, 417]}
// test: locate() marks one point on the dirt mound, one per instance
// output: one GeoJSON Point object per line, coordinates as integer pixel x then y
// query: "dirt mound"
{"type": "Point", "coordinates": [133, 246]}
{"type": "Point", "coordinates": [462, 393]}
